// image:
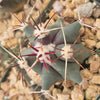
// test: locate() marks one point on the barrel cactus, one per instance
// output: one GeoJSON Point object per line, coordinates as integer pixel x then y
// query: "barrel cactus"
{"type": "Point", "coordinates": [48, 52]}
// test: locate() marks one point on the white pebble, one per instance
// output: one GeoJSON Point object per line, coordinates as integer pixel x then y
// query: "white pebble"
{"type": "Point", "coordinates": [58, 7]}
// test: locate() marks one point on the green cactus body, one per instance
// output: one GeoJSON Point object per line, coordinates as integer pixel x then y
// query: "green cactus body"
{"type": "Point", "coordinates": [43, 52]}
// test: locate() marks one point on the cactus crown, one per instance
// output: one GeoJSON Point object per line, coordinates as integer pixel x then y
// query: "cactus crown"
{"type": "Point", "coordinates": [49, 52]}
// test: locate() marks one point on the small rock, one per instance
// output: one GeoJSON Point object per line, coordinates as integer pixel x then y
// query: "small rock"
{"type": "Point", "coordinates": [58, 7]}
{"type": "Point", "coordinates": [96, 79]}
{"type": "Point", "coordinates": [99, 70]}
{"type": "Point", "coordinates": [39, 4]}
{"type": "Point", "coordinates": [3, 28]}
{"type": "Point", "coordinates": [92, 91]}
{"type": "Point", "coordinates": [98, 34]}
{"type": "Point", "coordinates": [97, 23]}
{"type": "Point", "coordinates": [94, 98]}
{"type": "Point", "coordinates": [85, 83]}
{"type": "Point", "coordinates": [15, 21]}
{"type": "Point", "coordinates": [96, 12]}
{"type": "Point", "coordinates": [1, 94]}
{"type": "Point", "coordinates": [92, 58]}
{"type": "Point", "coordinates": [69, 83]}
{"type": "Point", "coordinates": [55, 92]}
{"type": "Point", "coordinates": [89, 33]}
{"type": "Point", "coordinates": [1, 0]}
{"type": "Point", "coordinates": [66, 90]}
{"type": "Point", "coordinates": [90, 43]}
{"type": "Point", "coordinates": [85, 10]}
{"type": "Point", "coordinates": [10, 43]}
{"type": "Point", "coordinates": [94, 66]}
{"type": "Point", "coordinates": [98, 45]}
{"type": "Point", "coordinates": [68, 13]}
{"type": "Point", "coordinates": [86, 74]}
{"type": "Point", "coordinates": [78, 2]}
{"type": "Point", "coordinates": [4, 86]}
{"type": "Point", "coordinates": [77, 93]}
{"type": "Point", "coordinates": [62, 97]}
{"type": "Point", "coordinates": [89, 22]}
{"type": "Point", "coordinates": [19, 34]}
{"type": "Point", "coordinates": [13, 92]}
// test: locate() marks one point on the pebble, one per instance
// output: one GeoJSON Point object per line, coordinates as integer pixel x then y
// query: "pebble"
{"type": "Point", "coordinates": [69, 83]}
{"type": "Point", "coordinates": [68, 13]}
{"type": "Point", "coordinates": [89, 33]}
{"type": "Point", "coordinates": [77, 93]}
{"type": "Point", "coordinates": [1, 0]}
{"type": "Point", "coordinates": [4, 86]}
{"type": "Point", "coordinates": [19, 34]}
{"type": "Point", "coordinates": [54, 92]}
{"type": "Point", "coordinates": [39, 5]}
{"type": "Point", "coordinates": [86, 74]}
{"type": "Point", "coordinates": [85, 83]}
{"type": "Point", "coordinates": [10, 43]}
{"type": "Point", "coordinates": [78, 2]}
{"type": "Point", "coordinates": [90, 43]}
{"type": "Point", "coordinates": [96, 12]}
{"type": "Point", "coordinates": [98, 45]}
{"type": "Point", "coordinates": [94, 66]}
{"type": "Point", "coordinates": [1, 94]}
{"type": "Point", "coordinates": [89, 21]}
{"type": "Point", "coordinates": [96, 79]}
{"type": "Point", "coordinates": [98, 34]}
{"type": "Point", "coordinates": [15, 21]}
{"type": "Point", "coordinates": [85, 10]}
{"type": "Point", "coordinates": [62, 97]}
{"type": "Point", "coordinates": [92, 91]}
{"type": "Point", "coordinates": [3, 28]}
{"type": "Point", "coordinates": [97, 23]}
{"type": "Point", "coordinates": [58, 7]}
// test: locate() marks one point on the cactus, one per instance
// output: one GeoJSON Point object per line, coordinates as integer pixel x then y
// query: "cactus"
{"type": "Point", "coordinates": [45, 54]}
